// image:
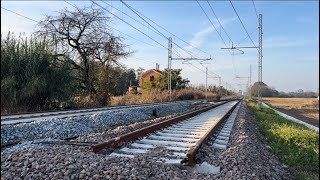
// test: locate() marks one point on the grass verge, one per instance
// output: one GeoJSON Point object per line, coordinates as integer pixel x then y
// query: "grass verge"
{"type": "Point", "coordinates": [294, 144]}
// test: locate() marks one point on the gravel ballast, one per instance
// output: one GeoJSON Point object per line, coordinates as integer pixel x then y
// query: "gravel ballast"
{"type": "Point", "coordinates": [247, 157]}
{"type": "Point", "coordinates": [83, 125]}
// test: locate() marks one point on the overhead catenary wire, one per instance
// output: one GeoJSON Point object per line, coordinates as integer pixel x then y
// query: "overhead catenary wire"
{"type": "Point", "coordinates": [129, 24]}
{"type": "Point", "coordinates": [139, 13]}
{"type": "Point", "coordinates": [255, 9]}
{"type": "Point", "coordinates": [75, 7]}
{"type": "Point", "coordinates": [213, 25]}
{"type": "Point", "coordinates": [153, 29]}
{"type": "Point", "coordinates": [129, 17]}
{"type": "Point", "coordinates": [133, 27]}
{"type": "Point", "coordinates": [222, 81]}
{"type": "Point", "coordinates": [121, 31]}
{"type": "Point", "coordinates": [219, 21]}
{"type": "Point", "coordinates": [143, 18]}
{"type": "Point", "coordinates": [20, 15]}
{"type": "Point", "coordinates": [102, 8]}
{"type": "Point", "coordinates": [243, 25]}
{"type": "Point", "coordinates": [254, 31]}
{"type": "Point", "coordinates": [136, 11]}
{"type": "Point", "coordinates": [135, 38]}
{"type": "Point", "coordinates": [217, 30]}
{"type": "Point", "coordinates": [232, 54]}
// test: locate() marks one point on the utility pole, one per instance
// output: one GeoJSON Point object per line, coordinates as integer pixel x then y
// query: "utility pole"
{"type": "Point", "coordinates": [248, 79]}
{"type": "Point", "coordinates": [206, 82]}
{"type": "Point", "coordinates": [170, 59]}
{"type": "Point", "coordinates": [169, 66]}
{"type": "Point", "coordinates": [260, 55]}
{"type": "Point", "coordinates": [226, 89]}
{"type": "Point", "coordinates": [250, 83]}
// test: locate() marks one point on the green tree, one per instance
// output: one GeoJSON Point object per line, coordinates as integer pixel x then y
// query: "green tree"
{"type": "Point", "coordinates": [177, 82]}
{"type": "Point", "coordinates": [265, 90]}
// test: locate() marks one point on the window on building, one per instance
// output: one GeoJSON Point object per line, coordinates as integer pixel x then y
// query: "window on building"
{"type": "Point", "coordinates": [151, 78]}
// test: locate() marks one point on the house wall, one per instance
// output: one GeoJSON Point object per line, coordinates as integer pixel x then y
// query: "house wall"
{"type": "Point", "coordinates": [146, 77]}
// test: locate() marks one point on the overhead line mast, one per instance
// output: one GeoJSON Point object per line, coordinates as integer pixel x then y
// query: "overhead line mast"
{"type": "Point", "coordinates": [260, 55]}
{"type": "Point", "coordinates": [170, 59]}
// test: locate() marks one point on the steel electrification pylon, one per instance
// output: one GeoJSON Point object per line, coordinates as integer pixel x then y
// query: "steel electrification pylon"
{"type": "Point", "coordinates": [250, 83]}
{"type": "Point", "coordinates": [260, 55]}
{"type": "Point", "coordinates": [170, 59]}
{"type": "Point", "coordinates": [169, 65]}
{"type": "Point", "coordinates": [244, 78]}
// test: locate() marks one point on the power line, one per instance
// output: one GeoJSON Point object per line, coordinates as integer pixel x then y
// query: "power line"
{"type": "Point", "coordinates": [246, 37]}
{"type": "Point", "coordinates": [136, 11]}
{"type": "Point", "coordinates": [77, 8]}
{"type": "Point", "coordinates": [233, 65]}
{"type": "Point", "coordinates": [212, 24]}
{"type": "Point", "coordinates": [71, 4]}
{"type": "Point", "coordinates": [129, 16]}
{"type": "Point", "coordinates": [255, 9]}
{"type": "Point", "coordinates": [144, 19]}
{"type": "Point", "coordinates": [20, 15]}
{"type": "Point", "coordinates": [242, 24]}
{"type": "Point", "coordinates": [154, 29]}
{"type": "Point", "coordinates": [128, 24]}
{"type": "Point", "coordinates": [140, 15]}
{"type": "Point", "coordinates": [120, 31]}
{"type": "Point", "coordinates": [219, 21]}
{"type": "Point", "coordinates": [136, 38]}
{"type": "Point", "coordinates": [142, 59]}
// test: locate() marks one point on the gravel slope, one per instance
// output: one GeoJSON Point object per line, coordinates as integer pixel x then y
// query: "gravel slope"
{"type": "Point", "coordinates": [84, 125]}
{"type": "Point", "coordinates": [247, 157]}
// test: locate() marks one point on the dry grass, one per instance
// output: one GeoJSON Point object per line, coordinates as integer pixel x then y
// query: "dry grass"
{"type": "Point", "coordinates": [155, 95]}
{"type": "Point", "coordinates": [301, 108]}
{"type": "Point", "coordinates": [293, 103]}
{"type": "Point", "coordinates": [147, 97]}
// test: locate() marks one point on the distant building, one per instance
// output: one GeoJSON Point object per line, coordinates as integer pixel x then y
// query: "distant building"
{"type": "Point", "coordinates": [150, 77]}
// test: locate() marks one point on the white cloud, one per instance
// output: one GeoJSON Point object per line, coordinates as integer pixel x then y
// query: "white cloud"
{"type": "Point", "coordinates": [199, 37]}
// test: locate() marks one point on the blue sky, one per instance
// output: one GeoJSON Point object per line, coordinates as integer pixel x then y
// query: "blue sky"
{"type": "Point", "coordinates": [290, 37]}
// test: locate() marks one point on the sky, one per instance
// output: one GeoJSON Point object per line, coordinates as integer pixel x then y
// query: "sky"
{"type": "Point", "coordinates": [290, 40]}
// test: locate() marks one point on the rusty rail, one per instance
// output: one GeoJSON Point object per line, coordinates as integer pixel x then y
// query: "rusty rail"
{"type": "Point", "coordinates": [113, 143]}
{"type": "Point", "coordinates": [191, 154]}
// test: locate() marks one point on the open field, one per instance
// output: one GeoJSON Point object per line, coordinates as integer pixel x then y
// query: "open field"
{"type": "Point", "coordinates": [305, 109]}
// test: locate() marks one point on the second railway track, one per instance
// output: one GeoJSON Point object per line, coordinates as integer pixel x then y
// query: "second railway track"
{"type": "Point", "coordinates": [25, 118]}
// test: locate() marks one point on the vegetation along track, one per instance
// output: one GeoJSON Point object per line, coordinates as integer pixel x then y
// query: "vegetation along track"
{"type": "Point", "coordinates": [183, 134]}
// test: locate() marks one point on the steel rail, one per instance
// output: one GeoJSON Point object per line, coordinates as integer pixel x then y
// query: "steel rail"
{"type": "Point", "coordinates": [190, 161]}
{"type": "Point", "coordinates": [113, 143]}
{"type": "Point", "coordinates": [63, 112]}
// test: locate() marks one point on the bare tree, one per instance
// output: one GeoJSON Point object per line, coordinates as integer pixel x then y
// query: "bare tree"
{"type": "Point", "coordinates": [84, 36]}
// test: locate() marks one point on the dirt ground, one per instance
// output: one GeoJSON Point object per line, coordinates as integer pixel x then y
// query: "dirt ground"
{"type": "Point", "coordinates": [304, 109]}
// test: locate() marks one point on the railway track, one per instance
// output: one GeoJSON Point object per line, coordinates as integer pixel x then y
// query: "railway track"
{"type": "Point", "coordinates": [25, 118]}
{"type": "Point", "coordinates": [183, 135]}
